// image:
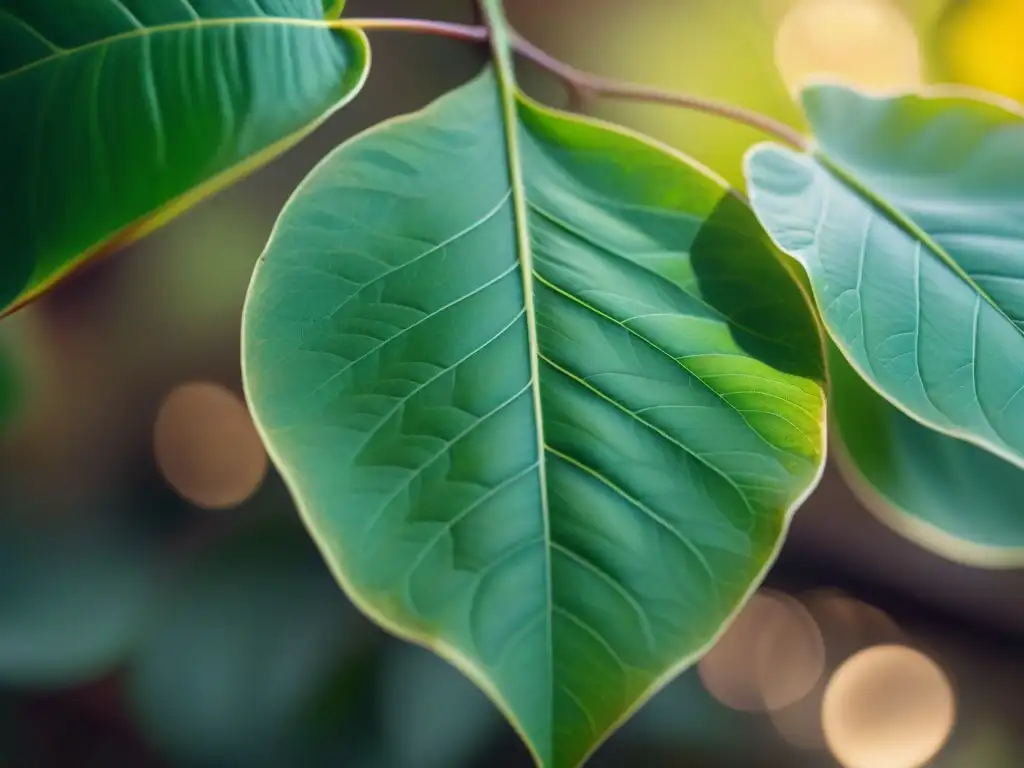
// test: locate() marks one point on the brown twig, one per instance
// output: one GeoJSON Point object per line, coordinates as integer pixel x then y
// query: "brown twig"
{"type": "Point", "coordinates": [469, 32]}
{"type": "Point", "coordinates": [589, 85]}
{"type": "Point", "coordinates": [583, 86]}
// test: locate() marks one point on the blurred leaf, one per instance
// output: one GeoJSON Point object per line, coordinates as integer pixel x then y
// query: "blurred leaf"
{"type": "Point", "coordinates": [433, 717]}
{"type": "Point", "coordinates": [947, 495]}
{"type": "Point", "coordinates": [982, 43]}
{"type": "Point", "coordinates": [74, 598]}
{"type": "Point", "coordinates": [405, 383]}
{"type": "Point", "coordinates": [112, 122]}
{"type": "Point", "coordinates": [908, 219]}
{"type": "Point", "coordinates": [232, 668]}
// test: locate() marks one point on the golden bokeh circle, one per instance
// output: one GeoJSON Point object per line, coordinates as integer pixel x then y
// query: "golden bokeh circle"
{"type": "Point", "coordinates": [207, 447]}
{"type": "Point", "coordinates": [888, 706]}
{"type": "Point", "coordinates": [770, 657]}
{"type": "Point", "coordinates": [865, 43]}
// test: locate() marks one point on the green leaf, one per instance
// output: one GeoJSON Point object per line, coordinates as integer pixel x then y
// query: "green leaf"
{"type": "Point", "coordinates": [907, 218]}
{"type": "Point", "coordinates": [947, 495]}
{"type": "Point", "coordinates": [115, 115]}
{"type": "Point", "coordinates": [237, 658]}
{"type": "Point", "coordinates": [544, 394]}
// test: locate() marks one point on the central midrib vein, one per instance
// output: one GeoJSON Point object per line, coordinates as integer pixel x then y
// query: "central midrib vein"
{"type": "Point", "coordinates": [501, 46]}
{"type": "Point", "coordinates": [907, 224]}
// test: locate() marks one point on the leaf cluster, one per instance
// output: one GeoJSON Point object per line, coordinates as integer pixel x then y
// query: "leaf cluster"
{"type": "Point", "coordinates": [547, 393]}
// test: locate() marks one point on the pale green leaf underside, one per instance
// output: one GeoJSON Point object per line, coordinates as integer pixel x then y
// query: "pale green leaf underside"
{"type": "Point", "coordinates": [117, 114]}
{"type": "Point", "coordinates": [388, 360]}
{"type": "Point", "coordinates": [945, 494]}
{"type": "Point", "coordinates": [910, 223]}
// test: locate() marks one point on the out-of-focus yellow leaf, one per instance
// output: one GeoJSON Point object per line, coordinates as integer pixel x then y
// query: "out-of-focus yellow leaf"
{"type": "Point", "coordinates": [983, 45]}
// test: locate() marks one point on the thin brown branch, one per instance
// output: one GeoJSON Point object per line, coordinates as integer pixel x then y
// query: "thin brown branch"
{"type": "Point", "coordinates": [468, 32]}
{"type": "Point", "coordinates": [584, 85]}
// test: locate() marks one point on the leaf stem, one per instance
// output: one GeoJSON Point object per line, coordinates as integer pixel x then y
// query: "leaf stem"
{"type": "Point", "coordinates": [471, 33]}
{"type": "Point", "coordinates": [584, 86]}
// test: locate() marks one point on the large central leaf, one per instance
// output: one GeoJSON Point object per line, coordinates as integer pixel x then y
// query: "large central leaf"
{"type": "Point", "coordinates": [909, 217]}
{"type": "Point", "coordinates": [545, 395]}
{"type": "Point", "coordinates": [117, 114]}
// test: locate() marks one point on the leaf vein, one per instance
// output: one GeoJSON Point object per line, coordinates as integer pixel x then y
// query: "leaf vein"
{"type": "Point", "coordinates": [465, 513]}
{"type": "Point", "coordinates": [664, 435]}
{"type": "Point", "coordinates": [371, 523]}
{"type": "Point", "coordinates": [645, 510]}
{"type": "Point", "coordinates": [645, 620]}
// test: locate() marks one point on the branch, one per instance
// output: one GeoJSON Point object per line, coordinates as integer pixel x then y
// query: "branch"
{"type": "Point", "coordinates": [584, 86]}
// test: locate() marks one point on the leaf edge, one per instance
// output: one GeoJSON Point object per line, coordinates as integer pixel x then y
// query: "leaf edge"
{"type": "Point", "coordinates": [163, 215]}
{"type": "Point", "coordinates": [443, 650]}
{"type": "Point", "coordinates": [748, 157]}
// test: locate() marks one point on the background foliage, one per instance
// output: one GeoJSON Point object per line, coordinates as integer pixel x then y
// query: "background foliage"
{"type": "Point", "coordinates": [138, 628]}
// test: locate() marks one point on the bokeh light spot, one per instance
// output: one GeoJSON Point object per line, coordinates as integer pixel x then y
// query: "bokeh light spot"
{"type": "Point", "coordinates": [888, 706]}
{"type": "Point", "coordinates": [865, 43]}
{"type": "Point", "coordinates": [771, 656]}
{"type": "Point", "coordinates": [207, 447]}
{"type": "Point", "coordinates": [790, 656]}
{"type": "Point", "coordinates": [847, 625]}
